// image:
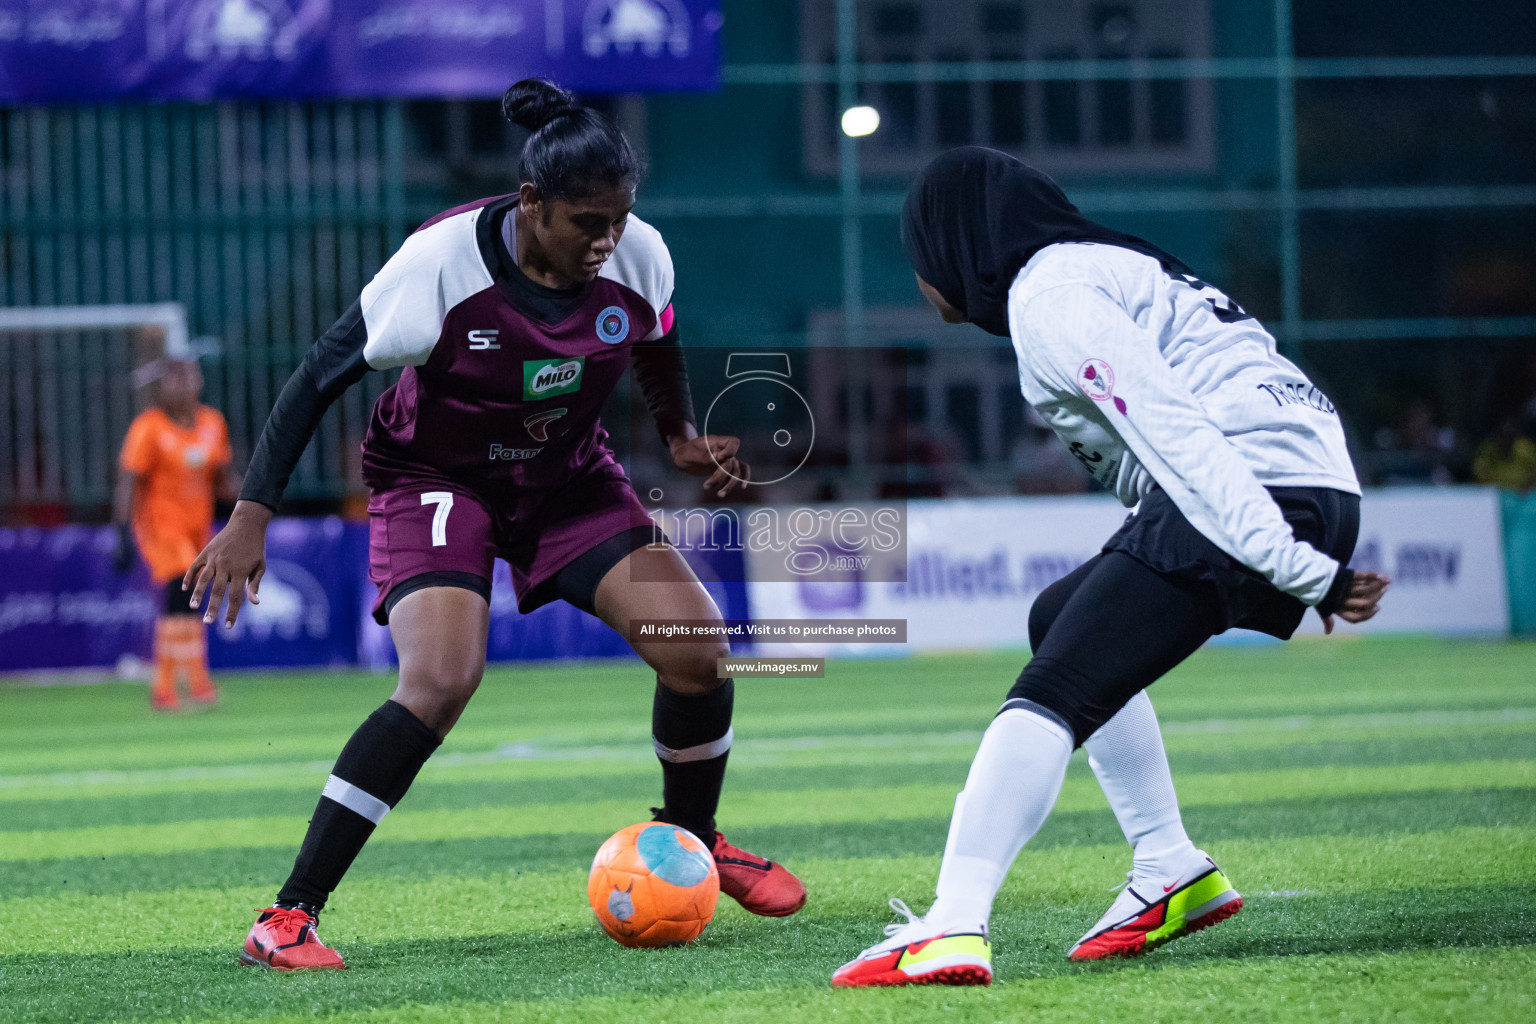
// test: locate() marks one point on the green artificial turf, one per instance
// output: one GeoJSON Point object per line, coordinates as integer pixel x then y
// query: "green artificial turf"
{"type": "Point", "coordinates": [1375, 802]}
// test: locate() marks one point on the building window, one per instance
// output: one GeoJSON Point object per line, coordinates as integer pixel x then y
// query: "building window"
{"type": "Point", "coordinates": [1117, 125]}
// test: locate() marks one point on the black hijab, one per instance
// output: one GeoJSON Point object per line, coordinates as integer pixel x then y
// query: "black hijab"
{"type": "Point", "coordinates": [974, 216]}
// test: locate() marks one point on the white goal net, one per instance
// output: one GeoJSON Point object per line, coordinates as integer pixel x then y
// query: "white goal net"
{"type": "Point", "coordinates": [71, 380]}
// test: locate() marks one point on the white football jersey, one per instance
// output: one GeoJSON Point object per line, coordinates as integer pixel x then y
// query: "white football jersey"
{"type": "Point", "coordinates": [1151, 377]}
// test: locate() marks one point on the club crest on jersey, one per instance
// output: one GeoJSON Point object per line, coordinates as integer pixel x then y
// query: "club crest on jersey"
{"type": "Point", "coordinates": [546, 378]}
{"type": "Point", "coordinates": [612, 325]}
{"type": "Point", "coordinates": [1097, 381]}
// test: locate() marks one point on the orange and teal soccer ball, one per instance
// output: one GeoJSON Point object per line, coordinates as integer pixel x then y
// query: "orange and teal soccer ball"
{"type": "Point", "coordinates": [653, 884]}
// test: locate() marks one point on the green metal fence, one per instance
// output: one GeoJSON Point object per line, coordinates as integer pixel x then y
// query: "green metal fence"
{"type": "Point", "coordinates": [265, 220]}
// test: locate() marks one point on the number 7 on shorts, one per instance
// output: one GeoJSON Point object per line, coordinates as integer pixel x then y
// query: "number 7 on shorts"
{"type": "Point", "coordinates": [444, 502]}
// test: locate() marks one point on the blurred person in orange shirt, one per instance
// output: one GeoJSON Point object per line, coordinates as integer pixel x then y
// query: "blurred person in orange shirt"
{"type": "Point", "coordinates": [176, 459]}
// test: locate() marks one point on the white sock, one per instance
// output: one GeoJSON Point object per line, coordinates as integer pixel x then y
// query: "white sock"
{"type": "Point", "coordinates": [1128, 757]}
{"type": "Point", "coordinates": [1012, 786]}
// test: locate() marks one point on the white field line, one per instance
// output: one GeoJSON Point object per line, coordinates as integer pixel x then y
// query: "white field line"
{"type": "Point", "coordinates": [767, 747]}
{"type": "Point", "coordinates": [1377, 720]}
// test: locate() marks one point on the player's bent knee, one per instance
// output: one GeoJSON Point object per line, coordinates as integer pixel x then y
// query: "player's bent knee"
{"type": "Point", "coordinates": [691, 668]}
{"type": "Point", "coordinates": [1066, 694]}
{"type": "Point", "coordinates": [443, 683]}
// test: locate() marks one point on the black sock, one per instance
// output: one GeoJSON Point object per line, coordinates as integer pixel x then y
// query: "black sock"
{"type": "Point", "coordinates": [374, 770]}
{"type": "Point", "coordinates": [692, 735]}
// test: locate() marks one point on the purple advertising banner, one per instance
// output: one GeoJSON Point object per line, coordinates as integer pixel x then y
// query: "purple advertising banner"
{"type": "Point", "coordinates": [95, 50]}
{"type": "Point", "coordinates": [62, 606]}
{"type": "Point", "coordinates": [308, 599]}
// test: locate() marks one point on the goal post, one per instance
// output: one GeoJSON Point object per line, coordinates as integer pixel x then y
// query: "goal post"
{"type": "Point", "coordinates": [68, 377]}
{"type": "Point", "coordinates": [172, 316]}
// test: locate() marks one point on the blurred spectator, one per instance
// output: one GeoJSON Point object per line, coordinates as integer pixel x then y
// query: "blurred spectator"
{"type": "Point", "coordinates": [1507, 459]}
{"type": "Point", "coordinates": [1416, 451]}
{"type": "Point", "coordinates": [175, 460]}
{"type": "Point", "coordinates": [1041, 464]}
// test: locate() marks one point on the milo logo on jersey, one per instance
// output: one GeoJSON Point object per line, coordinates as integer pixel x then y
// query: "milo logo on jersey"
{"type": "Point", "coordinates": [546, 378]}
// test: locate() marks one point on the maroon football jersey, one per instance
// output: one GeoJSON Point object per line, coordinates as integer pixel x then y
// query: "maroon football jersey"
{"type": "Point", "coordinates": [495, 395]}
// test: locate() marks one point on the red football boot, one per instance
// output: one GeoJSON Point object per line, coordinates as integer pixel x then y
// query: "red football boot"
{"type": "Point", "coordinates": [759, 885]}
{"type": "Point", "coordinates": [284, 939]}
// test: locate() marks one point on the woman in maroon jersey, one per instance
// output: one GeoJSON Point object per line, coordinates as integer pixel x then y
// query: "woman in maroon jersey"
{"type": "Point", "coordinates": [514, 317]}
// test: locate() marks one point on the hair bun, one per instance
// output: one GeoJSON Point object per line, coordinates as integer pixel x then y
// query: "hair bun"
{"type": "Point", "coordinates": [534, 102]}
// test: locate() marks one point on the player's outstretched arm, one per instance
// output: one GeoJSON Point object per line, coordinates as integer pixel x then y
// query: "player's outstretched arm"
{"type": "Point", "coordinates": [1363, 600]}
{"type": "Point", "coordinates": [125, 498]}
{"type": "Point", "coordinates": [232, 564]}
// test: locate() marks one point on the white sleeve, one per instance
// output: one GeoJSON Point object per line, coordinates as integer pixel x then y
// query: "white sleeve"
{"type": "Point", "coordinates": [405, 304]}
{"type": "Point", "coordinates": [642, 263]}
{"type": "Point", "coordinates": [1092, 348]}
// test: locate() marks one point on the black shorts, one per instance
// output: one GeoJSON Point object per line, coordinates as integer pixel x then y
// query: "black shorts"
{"type": "Point", "coordinates": [1158, 536]}
{"type": "Point", "coordinates": [178, 601]}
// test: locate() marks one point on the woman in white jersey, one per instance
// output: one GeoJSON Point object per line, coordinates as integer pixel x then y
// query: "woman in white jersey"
{"type": "Point", "coordinates": [1171, 396]}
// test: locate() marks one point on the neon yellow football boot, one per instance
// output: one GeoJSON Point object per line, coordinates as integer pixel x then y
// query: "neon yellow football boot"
{"type": "Point", "coordinates": [1152, 911]}
{"type": "Point", "coordinates": [918, 953]}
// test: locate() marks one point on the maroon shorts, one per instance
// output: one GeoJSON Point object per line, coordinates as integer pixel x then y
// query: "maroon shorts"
{"type": "Point", "coordinates": [424, 526]}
